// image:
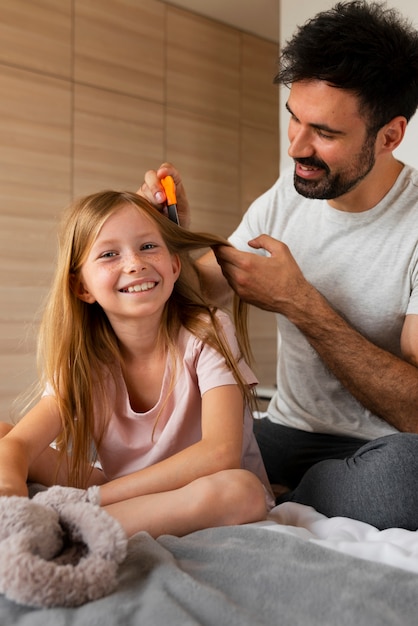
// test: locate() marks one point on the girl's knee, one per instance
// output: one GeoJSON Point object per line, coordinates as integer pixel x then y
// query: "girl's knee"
{"type": "Point", "coordinates": [252, 501]}
{"type": "Point", "coordinates": [5, 428]}
{"type": "Point", "coordinates": [238, 495]}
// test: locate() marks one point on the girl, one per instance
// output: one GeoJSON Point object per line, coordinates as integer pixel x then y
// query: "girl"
{"type": "Point", "coordinates": [141, 374]}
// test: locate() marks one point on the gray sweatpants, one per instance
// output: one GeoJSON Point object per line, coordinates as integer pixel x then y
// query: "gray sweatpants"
{"type": "Point", "coordinates": [372, 481]}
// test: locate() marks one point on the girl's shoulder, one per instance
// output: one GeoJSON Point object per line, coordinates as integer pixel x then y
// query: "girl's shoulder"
{"type": "Point", "coordinates": [223, 320]}
{"type": "Point", "coordinates": [195, 341]}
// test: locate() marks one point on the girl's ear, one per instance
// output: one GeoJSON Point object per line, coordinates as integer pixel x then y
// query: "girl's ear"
{"type": "Point", "coordinates": [176, 265]}
{"type": "Point", "coordinates": [80, 291]}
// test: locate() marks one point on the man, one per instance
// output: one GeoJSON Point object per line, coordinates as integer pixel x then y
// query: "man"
{"type": "Point", "coordinates": [337, 261]}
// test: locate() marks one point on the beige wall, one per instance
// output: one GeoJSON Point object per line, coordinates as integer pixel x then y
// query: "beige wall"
{"type": "Point", "coordinates": [95, 93]}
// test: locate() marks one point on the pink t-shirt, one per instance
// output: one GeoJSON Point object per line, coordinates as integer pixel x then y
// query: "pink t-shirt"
{"type": "Point", "coordinates": [133, 441]}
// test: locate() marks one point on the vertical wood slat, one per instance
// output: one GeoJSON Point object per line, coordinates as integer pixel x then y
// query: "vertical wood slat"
{"type": "Point", "coordinates": [116, 138]}
{"type": "Point", "coordinates": [119, 46]}
{"type": "Point", "coordinates": [37, 35]}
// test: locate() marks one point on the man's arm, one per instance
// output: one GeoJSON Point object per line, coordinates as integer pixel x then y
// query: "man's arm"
{"type": "Point", "coordinates": [382, 382]}
{"type": "Point", "coordinates": [215, 287]}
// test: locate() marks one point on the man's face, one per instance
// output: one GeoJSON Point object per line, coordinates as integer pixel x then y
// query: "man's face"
{"type": "Point", "coordinates": [329, 142]}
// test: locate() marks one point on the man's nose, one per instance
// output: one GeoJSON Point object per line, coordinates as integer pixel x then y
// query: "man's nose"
{"type": "Point", "coordinates": [300, 144]}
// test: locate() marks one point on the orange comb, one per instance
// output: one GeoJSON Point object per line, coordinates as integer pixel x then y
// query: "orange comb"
{"type": "Point", "coordinates": [170, 192]}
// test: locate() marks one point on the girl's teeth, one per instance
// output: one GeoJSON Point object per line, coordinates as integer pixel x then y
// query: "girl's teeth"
{"type": "Point", "coordinates": [141, 287]}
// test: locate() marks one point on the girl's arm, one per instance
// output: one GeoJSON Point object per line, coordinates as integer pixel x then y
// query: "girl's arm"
{"type": "Point", "coordinates": [220, 448]}
{"type": "Point", "coordinates": [20, 448]}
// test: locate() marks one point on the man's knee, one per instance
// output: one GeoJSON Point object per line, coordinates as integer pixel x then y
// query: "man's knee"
{"type": "Point", "coordinates": [403, 445]}
{"type": "Point", "coordinates": [393, 454]}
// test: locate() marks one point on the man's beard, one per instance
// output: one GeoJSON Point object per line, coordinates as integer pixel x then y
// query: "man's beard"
{"type": "Point", "coordinates": [335, 185]}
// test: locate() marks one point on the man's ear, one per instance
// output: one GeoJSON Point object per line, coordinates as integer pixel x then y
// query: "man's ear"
{"type": "Point", "coordinates": [80, 291]}
{"type": "Point", "coordinates": [393, 133]}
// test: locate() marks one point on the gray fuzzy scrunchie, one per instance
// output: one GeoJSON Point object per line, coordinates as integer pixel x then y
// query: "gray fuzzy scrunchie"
{"type": "Point", "coordinates": [58, 548]}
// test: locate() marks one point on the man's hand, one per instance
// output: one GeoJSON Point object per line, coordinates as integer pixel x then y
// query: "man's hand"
{"type": "Point", "coordinates": [153, 191]}
{"type": "Point", "coordinates": [274, 283]}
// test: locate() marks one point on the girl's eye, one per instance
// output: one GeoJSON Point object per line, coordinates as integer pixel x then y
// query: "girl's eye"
{"type": "Point", "coordinates": [148, 246]}
{"type": "Point", "coordinates": [107, 255]}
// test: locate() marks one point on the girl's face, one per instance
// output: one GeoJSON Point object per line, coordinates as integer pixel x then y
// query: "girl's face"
{"type": "Point", "coordinates": [129, 270]}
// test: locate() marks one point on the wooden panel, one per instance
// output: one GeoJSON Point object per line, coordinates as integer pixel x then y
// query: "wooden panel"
{"type": "Point", "coordinates": [17, 374]}
{"type": "Point", "coordinates": [259, 168]}
{"type": "Point", "coordinates": [260, 97]}
{"type": "Point", "coordinates": [37, 35]}
{"type": "Point", "coordinates": [35, 166]}
{"type": "Point", "coordinates": [116, 138]}
{"type": "Point", "coordinates": [35, 143]}
{"type": "Point", "coordinates": [206, 153]}
{"type": "Point", "coordinates": [259, 163]}
{"type": "Point", "coordinates": [27, 251]}
{"type": "Point", "coordinates": [202, 65]}
{"type": "Point", "coordinates": [263, 333]}
{"type": "Point", "coordinates": [28, 245]}
{"type": "Point", "coordinates": [259, 118]}
{"type": "Point", "coordinates": [120, 46]}
{"type": "Point", "coordinates": [19, 316]}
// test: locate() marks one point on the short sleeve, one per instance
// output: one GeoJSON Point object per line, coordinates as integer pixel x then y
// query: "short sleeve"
{"type": "Point", "coordinates": [211, 368]}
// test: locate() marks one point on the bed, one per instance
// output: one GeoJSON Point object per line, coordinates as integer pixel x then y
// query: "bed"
{"type": "Point", "coordinates": [296, 568]}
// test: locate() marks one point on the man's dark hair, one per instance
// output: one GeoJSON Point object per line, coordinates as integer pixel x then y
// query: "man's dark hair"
{"type": "Point", "coordinates": [362, 47]}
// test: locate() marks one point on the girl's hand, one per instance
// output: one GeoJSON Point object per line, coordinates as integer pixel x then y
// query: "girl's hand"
{"type": "Point", "coordinates": [24, 449]}
{"type": "Point", "coordinates": [18, 489]}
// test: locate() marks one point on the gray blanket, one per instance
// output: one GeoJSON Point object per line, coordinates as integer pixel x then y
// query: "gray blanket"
{"type": "Point", "coordinates": [239, 576]}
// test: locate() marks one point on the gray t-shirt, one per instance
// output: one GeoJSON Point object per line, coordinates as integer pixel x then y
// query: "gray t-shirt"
{"type": "Point", "coordinates": [366, 265]}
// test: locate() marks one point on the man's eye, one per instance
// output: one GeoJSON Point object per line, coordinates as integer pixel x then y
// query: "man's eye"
{"type": "Point", "coordinates": [325, 135]}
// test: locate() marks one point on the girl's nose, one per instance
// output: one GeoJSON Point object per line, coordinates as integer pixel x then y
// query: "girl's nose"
{"type": "Point", "coordinates": [135, 263]}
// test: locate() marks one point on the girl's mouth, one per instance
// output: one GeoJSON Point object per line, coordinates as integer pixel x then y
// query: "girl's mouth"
{"type": "Point", "coordinates": [140, 287]}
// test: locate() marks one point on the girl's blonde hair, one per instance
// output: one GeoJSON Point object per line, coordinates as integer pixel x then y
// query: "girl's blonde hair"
{"type": "Point", "coordinates": [76, 343]}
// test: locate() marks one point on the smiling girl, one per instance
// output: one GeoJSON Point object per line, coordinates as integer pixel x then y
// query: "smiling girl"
{"type": "Point", "coordinates": [144, 386]}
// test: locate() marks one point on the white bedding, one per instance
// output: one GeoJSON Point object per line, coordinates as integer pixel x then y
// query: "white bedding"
{"type": "Point", "coordinates": [394, 546]}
